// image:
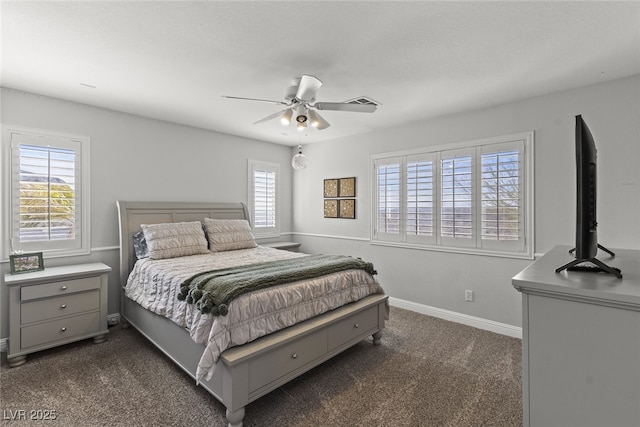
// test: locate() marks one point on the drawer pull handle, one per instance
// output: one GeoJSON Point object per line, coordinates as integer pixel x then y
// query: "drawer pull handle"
{"type": "Point", "coordinates": [294, 356]}
{"type": "Point", "coordinates": [64, 287]}
{"type": "Point", "coordinates": [357, 325]}
{"type": "Point", "coordinates": [63, 329]}
{"type": "Point", "coordinates": [63, 306]}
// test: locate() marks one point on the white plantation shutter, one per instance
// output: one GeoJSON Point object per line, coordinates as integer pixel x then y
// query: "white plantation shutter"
{"type": "Point", "coordinates": [474, 197]}
{"type": "Point", "coordinates": [457, 197]}
{"type": "Point", "coordinates": [263, 182]}
{"type": "Point", "coordinates": [264, 199]}
{"type": "Point", "coordinates": [49, 200]}
{"type": "Point", "coordinates": [502, 213]}
{"type": "Point", "coordinates": [420, 222]}
{"type": "Point", "coordinates": [388, 199]}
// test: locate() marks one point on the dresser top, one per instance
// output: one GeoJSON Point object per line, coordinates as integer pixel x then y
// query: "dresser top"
{"type": "Point", "coordinates": [541, 277]}
{"type": "Point", "coordinates": [57, 273]}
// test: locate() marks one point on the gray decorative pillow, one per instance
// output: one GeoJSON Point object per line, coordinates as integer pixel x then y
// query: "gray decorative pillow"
{"type": "Point", "coordinates": [140, 245]}
{"type": "Point", "coordinates": [229, 234]}
{"type": "Point", "coordinates": [172, 240]}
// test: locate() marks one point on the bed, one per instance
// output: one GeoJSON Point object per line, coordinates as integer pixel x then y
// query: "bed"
{"type": "Point", "coordinates": [241, 373]}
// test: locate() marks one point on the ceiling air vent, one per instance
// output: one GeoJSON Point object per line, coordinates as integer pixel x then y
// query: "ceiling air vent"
{"type": "Point", "coordinates": [362, 100]}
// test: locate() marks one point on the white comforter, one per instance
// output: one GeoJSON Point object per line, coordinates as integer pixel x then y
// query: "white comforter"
{"type": "Point", "coordinates": [155, 284]}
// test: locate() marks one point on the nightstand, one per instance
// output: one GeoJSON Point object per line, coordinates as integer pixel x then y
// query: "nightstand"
{"type": "Point", "coordinates": [285, 246]}
{"type": "Point", "coordinates": [56, 306]}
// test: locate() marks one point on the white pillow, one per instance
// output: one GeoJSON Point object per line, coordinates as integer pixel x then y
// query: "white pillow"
{"type": "Point", "coordinates": [229, 234]}
{"type": "Point", "coordinates": [175, 239]}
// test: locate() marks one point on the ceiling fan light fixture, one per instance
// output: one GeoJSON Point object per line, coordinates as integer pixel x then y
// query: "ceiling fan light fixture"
{"type": "Point", "coordinates": [317, 121]}
{"type": "Point", "coordinates": [302, 125]}
{"type": "Point", "coordinates": [286, 117]}
{"type": "Point", "coordinates": [301, 116]}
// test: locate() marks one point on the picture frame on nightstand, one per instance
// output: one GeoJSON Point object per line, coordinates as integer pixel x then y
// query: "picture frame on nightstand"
{"type": "Point", "coordinates": [26, 263]}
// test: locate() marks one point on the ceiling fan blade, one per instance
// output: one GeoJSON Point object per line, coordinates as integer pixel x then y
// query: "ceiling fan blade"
{"type": "Point", "coordinates": [255, 99]}
{"type": "Point", "coordinates": [345, 106]}
{"type": "Point", "coordinates": [270, 117]}
{"type": "Point", "coordinates": [308, 88]}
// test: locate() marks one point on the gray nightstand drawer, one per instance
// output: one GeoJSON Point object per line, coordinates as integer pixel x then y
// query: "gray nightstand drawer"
{"type": "Point", "coordinates": [63, 329]}
{"type": "Point", "coordinates": [59, 288]}
{"type": "Point", "coordinates": [64, 305]}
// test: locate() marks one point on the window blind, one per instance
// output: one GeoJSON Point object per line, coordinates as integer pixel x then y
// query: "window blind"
{"type": "Point", "coordinates": [456, 207]}
{"type": "Point", "coordinates": [419, 212]}
{"type": "Point", "coordinates": [501, 196]}
{"type": "Point", "coordinates": [388, 197]}
{"type": "Point", "coordinates": [49, 197]}
{"type": "Point", "coordinates": [264, 199]}
{"type": "Point", "coordinates": [474, 197]}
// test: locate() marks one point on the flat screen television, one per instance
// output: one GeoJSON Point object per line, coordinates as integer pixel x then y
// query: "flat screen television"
{"type": "Point", "coordinates": [586, 206]}
{"type": "Point", "coordinates": [586, 171]}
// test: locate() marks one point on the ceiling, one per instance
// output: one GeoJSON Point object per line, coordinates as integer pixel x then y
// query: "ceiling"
{"type": "Point", "coordinates": [175, 60]}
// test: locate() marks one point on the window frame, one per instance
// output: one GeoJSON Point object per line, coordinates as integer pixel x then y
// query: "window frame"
{"type": "Point", "coordinates": [521, 248]}
{"type": "Point", "coordinates": [12, 137]}
{"type": "Point", "coordinates": [253, 165]}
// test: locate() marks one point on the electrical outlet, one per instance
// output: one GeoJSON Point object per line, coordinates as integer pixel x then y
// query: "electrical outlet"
{"type": "Point", "coordinates": [468, 295]}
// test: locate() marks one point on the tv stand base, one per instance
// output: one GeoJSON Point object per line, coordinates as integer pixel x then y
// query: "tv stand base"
{"type": "Point", "coordinates": [596, 267]}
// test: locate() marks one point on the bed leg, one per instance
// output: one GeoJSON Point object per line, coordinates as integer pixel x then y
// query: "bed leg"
{"type": "Point", "coordinates": [235, 418]}
{"type": "Point", "coordinates": [377, 338]}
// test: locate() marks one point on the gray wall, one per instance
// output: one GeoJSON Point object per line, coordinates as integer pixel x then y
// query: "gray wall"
{"type": "Point", "coordinates": [135, 158]}
{"type": "Point", "coordinates": [437, 279]}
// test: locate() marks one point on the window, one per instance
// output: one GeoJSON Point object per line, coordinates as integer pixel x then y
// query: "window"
{"type": "Point", "coordinates": [388, 214]}
{"type": "Point", "coordinates": [263, 198]}
{"type": "Point", "coordinates": [472, 197]}
{"type": "Point", "coordinates": [49, 193]}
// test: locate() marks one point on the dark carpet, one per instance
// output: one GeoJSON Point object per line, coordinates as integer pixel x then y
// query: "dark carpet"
{"type": "Point", "coordinates": [427, 372]}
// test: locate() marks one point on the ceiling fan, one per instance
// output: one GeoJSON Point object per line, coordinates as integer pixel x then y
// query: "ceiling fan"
{"type": "Point", "coordinates": [300, 100]}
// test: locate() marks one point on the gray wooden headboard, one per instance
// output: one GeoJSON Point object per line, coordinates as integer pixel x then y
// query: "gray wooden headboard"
{"type": "Point", "coordinates": [132, 214]}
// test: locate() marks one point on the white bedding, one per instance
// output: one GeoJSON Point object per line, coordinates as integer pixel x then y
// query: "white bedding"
{"type": "Point", "coordinates": [155, 284]}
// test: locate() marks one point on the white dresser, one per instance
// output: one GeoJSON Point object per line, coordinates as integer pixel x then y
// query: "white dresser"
{"type": "Point", "coordinates": [56, 306]}
{"type": "Point", "coordinates": [581, 342]}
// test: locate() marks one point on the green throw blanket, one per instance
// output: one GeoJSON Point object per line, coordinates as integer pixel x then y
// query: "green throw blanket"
{"type": "Point", "coordinates": [213, 290]}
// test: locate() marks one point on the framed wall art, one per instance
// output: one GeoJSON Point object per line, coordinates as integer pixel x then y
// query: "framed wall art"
{"type": "Point", "coordinates": [347, 208]}
{"type": "Point", "coordinates": [339, 197]}
{"type": "Point", "coordinates": [331, 208]}
{"type": "Point", "coordinates": [347, 187]}
{"type": "Point", "coordinates": [331, 187]}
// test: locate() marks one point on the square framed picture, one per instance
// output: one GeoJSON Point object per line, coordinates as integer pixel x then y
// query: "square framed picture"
{"type": "Point", "coordinates": [331, 187]}
{"type": "Point", "coordinates": [26, 263]}
{"type": "Point", "coordinates": [331, 209]}
{"type": "Point", "coordinates": [348, 208]}
{"type": "Point", "coordinates": [347, 187]}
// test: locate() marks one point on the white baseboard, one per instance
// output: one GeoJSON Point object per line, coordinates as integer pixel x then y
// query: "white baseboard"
{"type": "Point", "coordinates": [465, 319]}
